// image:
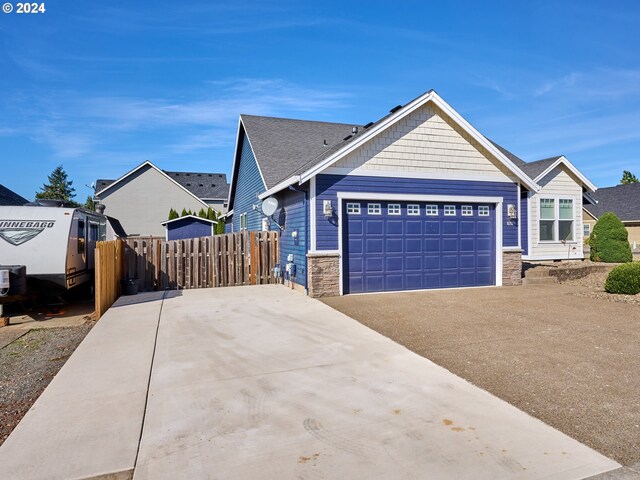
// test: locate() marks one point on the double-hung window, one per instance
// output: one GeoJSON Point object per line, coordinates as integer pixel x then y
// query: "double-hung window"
{"type": "Point", "coordinates": [556, 219]}
{"type": "Point", "coordinates": [243, 221]}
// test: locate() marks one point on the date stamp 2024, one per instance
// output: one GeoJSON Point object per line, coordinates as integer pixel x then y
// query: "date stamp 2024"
{"type": "Point", "coordinates": [24, 8]}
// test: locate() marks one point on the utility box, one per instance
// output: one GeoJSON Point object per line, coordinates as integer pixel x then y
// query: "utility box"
{"type": "Point", "coordinates": [16, 277]}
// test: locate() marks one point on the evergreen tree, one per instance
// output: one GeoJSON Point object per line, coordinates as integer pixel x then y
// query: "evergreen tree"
{"type": "Point", "coordinates": [184, 212]}
{"type": "Point", "coordinates": [59, 186]}
{"type": "Point", "coordinates": [202, 213]}
{"type": "Point", "coordinates": [210, 214]}
{"type": "Point", "coordinates": [628, 177]}
{"type": "Point", "coordinates": [173, 214]}
{"type": "Point", "coordinates": [89, 204]}
{"type": "Point", "coordinates": [220, 225]}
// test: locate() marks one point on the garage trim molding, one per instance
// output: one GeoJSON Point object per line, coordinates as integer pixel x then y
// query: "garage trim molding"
{"type": "Point", "coordinates": [497, 201]}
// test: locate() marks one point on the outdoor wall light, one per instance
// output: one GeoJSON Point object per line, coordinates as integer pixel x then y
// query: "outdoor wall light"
{"type": "Point", "coordinates": [327, 209]}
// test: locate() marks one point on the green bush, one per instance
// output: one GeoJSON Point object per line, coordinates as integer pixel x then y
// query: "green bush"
{"type": "Point", "coordinates": [624, 279]}
{"type": "Point", "coordinates": [609, 240]}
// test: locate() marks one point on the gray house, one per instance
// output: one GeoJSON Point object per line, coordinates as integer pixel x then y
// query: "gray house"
{"type": "Point", "coordinates": [141, 199]}
{"type": "Point", "coordinates": [11, 198]}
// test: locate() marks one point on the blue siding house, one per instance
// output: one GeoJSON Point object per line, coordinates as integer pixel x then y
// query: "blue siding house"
{"type": "Point", "coordinates": [416, 200]}
{"type": "Point", "coordinates": [189, 226]}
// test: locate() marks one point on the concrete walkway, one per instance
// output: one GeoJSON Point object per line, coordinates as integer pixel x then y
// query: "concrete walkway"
{"type": "Point", "coordinates": [263, 382]}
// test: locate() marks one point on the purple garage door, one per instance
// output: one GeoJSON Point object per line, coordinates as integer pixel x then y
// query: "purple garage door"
{"type": "Point", "coordinates": [390, 246]}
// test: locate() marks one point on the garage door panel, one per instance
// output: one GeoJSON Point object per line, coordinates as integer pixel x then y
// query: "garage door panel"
{"type": "Point", "coordinates": [374, 227]}
{"type": "Point", "coordinates": [394, 227]}
{"type": "Point", "coordinates": [401, 252]}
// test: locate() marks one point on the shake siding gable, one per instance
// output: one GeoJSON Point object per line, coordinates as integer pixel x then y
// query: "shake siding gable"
{"type": "Point", "coordinates": [327, 187]}
{"type": "Point", "coordinates": [426, 142]}
{"type": "Point", "coordinates": [249, 184]}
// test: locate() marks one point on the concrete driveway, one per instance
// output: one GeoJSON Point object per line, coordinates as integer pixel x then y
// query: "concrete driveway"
{"type": "Point", "coordinates": [262, 382]}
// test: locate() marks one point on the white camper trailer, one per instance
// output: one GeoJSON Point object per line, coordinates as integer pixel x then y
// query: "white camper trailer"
{"type": "Point", "coordinates": [56, 244]}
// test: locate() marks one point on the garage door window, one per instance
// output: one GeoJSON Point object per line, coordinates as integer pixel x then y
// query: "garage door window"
{"type": "Point", "coordinates": [449, 210]}
{"type": "Point", "coordinates": [353, 208]}
{"type": "Point", "coordinates": [374, 209]}
{"type": "Point", "coordinates": [483, 210]}
{"type": "Point", "coordinates": [431, 210]}
{"type": "Point", "coordinates": [467, 211]}
{"type": "Point", "coordinates": [413, 210]}
{"type": "Point", "coordinates": [393, 209]}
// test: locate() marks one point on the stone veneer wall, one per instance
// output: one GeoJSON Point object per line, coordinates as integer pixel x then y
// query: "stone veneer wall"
{"type": "Point", "coordinates": [512, 268]}
{"type": "Point", "coordinates": [323, 274]}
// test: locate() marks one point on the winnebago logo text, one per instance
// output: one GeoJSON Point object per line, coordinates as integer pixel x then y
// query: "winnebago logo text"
{"type": "Point", "coordinates": [17, 232]}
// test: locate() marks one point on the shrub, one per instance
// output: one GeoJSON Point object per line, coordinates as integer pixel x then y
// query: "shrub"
{"type": "Point", "coordinates": [624, 279]}
{"type": "Point", "coordinates": [609, 240]}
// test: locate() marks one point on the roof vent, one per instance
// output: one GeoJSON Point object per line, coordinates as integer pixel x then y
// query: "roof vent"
{"type": "Point", "coordinates": [347, 137]}
{"type": "Point", "coordinates": [395, 109]}
{"type": "Point", "coordinates": [354, 130]}
{"type": "Point", "coordinates": [324, 143]}
{"type": "Point", "coordinates": [368, 125]}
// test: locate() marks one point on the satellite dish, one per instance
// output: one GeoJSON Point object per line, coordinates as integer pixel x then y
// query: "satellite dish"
{"type": "Point", "coordinates": [269, 206]}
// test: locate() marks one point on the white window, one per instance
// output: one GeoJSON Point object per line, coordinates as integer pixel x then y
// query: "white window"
{"type": "Point", "coordinates": [431, 210]}
{"type": "Point", "coordinates": [483, 210]}
{"type": "Point", "coordinates": [243, 221]}
{"type": "Point", "coordinates": [374, 209]}
{"type": "Point", "coordinates": [393, 209]}
{"type": "Point", "coordinates": [353, 208]}
{"type": "Point", "coordinates": [449, 210]}
{"type": "Point", "coordinates": [413, 209]}
{"type": "Point", "coordinates": [556, 219]}
{"type": "Point", "coordinates": [467, 211]}
{"type": "Point", "coordinates": [586, 229]}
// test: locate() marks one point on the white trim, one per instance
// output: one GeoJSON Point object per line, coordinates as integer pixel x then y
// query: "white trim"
{"type": "Point", "coordinates": [562, 159]}
{"type": "Point", "coordinates": [280, 186]}
{"type": "Point", "coordinates": [518, 203]}
{"type": "Point", "coordinates": [189, 216]}
{"type": "Point", "coordinates": [430, 96]}
{"type": "Point", "coordinates": [144, 164]}
{"type": "Point", "coordinates": [365, 172]}
{"type": "Point", "coordinates": [312, 213]}
{"type": "Point", "coordinates": [497, 201]}
{"type": "Point", "coordinates": [402, 197]}
{"type": "Point", "coordinates": [323, 253]}
{"type": "Point", "coordinates": [340, 269]}
{"type": "Point", "coordinates": [556, 220]}
{"type": "Point", "coordinates": [255, 157]}
{"type": "Point", "coordinates": [511, 249]}
{"type": "Point", "coordinates": [529, 201]}
{"type": "Point", "coordinates": [499, 246]}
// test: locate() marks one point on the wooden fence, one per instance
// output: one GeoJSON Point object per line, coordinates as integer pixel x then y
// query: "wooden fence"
{"type": "Point", "coordinates": [109, 270]}
{"type": "Point", "coordinates": [244, 258]}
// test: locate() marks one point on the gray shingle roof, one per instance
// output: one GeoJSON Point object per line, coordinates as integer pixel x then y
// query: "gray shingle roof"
{"type": "Point", "coordinates": [201, 184]}
{"type": "Point", "coordinates": [283, 145]}
{"type": "Point", "coordinates": [623, 200]}
{"type": "Point", "coordinates": [533, 169]}
{"type": "Point", "coordinates": [11, 198]}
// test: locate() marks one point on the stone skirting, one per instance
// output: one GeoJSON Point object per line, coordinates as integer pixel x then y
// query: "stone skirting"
{"type": "Point", "coordinates": [323, 274]}
{"type": "Point", "coordinates": [512, 267]}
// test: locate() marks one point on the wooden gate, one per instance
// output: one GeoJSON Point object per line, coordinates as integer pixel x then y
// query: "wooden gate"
{"type": "Point", "coordinates": [244, 258]}
{"type": "Point", "coordinates": [109, 270]}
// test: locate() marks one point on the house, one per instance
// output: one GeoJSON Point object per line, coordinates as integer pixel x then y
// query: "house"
{"type": "Point", "coordinates": [624, 201]}
{"type": "Point", "coordinates": [141, 199]}
{"type": "Point", "coordinates": [418, 199]}
{"type": "Point", "coordinates": [11, 198]}
{"type": "Point", "coordinates": [189, 226]}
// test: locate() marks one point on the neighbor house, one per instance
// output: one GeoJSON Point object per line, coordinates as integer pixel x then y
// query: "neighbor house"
{"type": "Point", "coordinates": [141, 199]}
{"type": "Point", "coordinates": [624, 201]}
{"type": "Point", "coordinates": [416, 200]}
{"type": "Point", "coordinates": [189, 226]}
{"type": "Point", "coordinates": [11, 198]}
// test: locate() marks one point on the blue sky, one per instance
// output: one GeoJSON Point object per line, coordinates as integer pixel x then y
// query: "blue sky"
{"type": "Point", "coordinates": [102, 86]}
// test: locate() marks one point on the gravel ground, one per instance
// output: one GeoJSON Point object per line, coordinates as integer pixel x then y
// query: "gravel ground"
{"type": "Point", "coordinates": [571, 361]}
{"type": "Point", "coordinates": [594, 288]}
{"type": "Point", "coordinates": [28, 364]}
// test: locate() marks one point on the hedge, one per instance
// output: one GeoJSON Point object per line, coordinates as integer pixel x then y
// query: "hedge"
{"type": "Point", "coordinates": [624, 279]}
{"type": "Point", "coordinates": [609, 240]}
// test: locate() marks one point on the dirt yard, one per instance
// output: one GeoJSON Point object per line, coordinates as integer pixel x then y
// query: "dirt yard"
{"type": "Point", "coordinates": [558, 352]}
{"type": "Point", "coordinates": [31, 353]}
